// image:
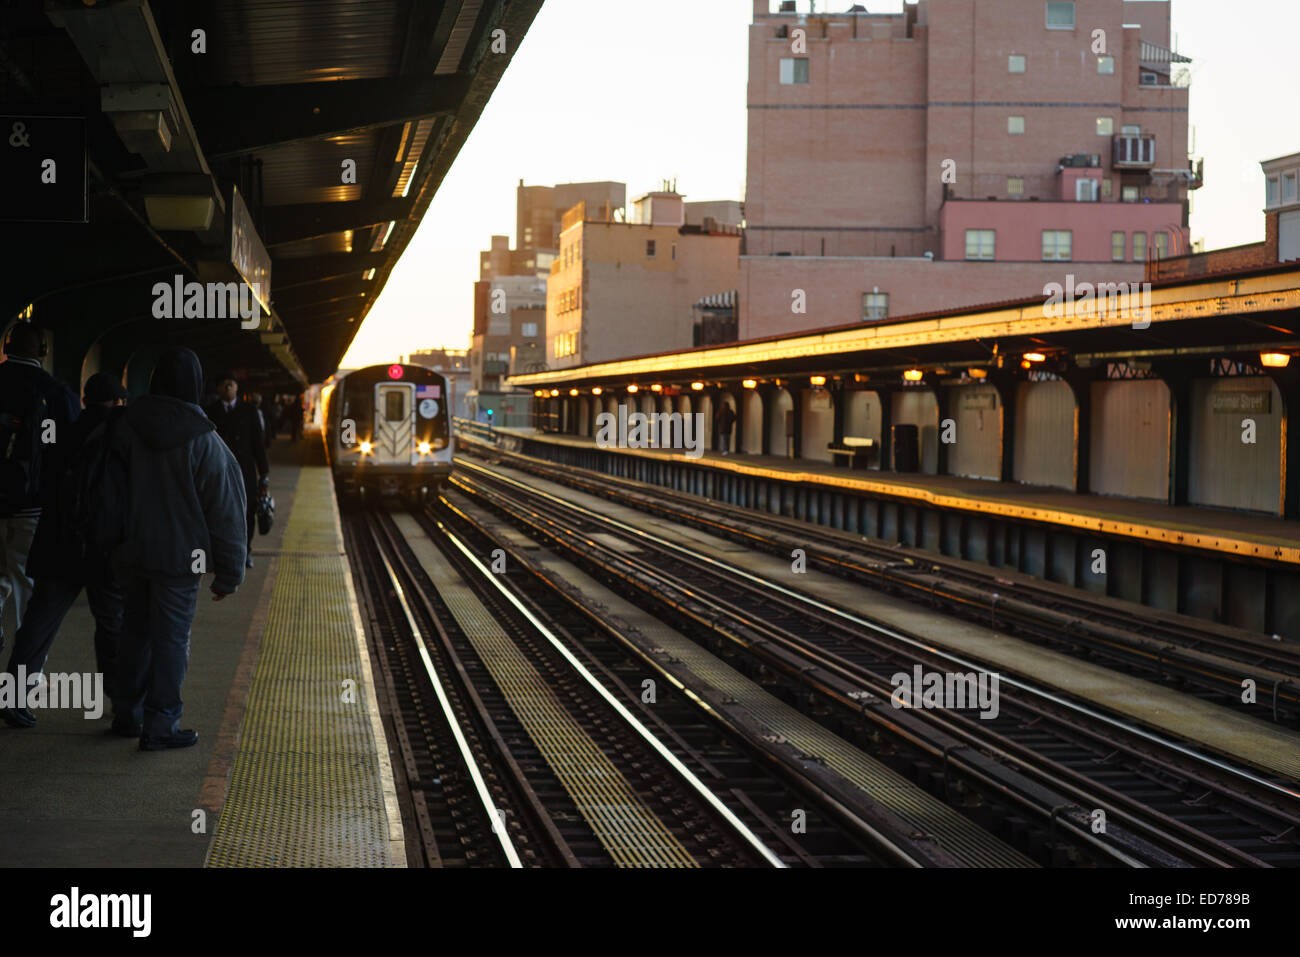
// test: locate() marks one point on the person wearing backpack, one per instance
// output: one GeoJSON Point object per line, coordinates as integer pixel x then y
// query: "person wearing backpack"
{"type": "Point", "coordinates": [61, 564]}
{"type": "Point", "coordinates": [168, 505]}
{"type": "Point", "coordinates": [35, 412]}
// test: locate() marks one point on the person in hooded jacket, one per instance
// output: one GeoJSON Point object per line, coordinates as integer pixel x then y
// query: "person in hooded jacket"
{"type": "Point", "coordinates": [61, 566]}
{"type": "Point", "coordinates": [184, 515]}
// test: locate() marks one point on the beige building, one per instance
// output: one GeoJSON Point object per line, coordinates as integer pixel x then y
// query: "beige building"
{"type": "Point", "coordinates": [628, 288]}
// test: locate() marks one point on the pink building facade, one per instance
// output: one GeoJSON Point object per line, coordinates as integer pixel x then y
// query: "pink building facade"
{"type": "Point", "coordinates": [957, 153]}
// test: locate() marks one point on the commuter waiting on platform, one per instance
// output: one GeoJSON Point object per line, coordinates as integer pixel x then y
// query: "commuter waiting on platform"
{"type": "Point", "coordinates": [184, 507]}
{"type": "Point", "coordinates": [725, 420]}
{"type": "Point", "coordinates": [293, 413]}
{"type": "Point", "coordinates": [35, 413]}
{"type": "Point", "coordinates": [61, 563]}
{"type": "Point", "coordinates": [240, 425]}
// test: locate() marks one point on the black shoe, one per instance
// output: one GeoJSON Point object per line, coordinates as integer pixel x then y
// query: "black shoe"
{"type": "Point", "coordinates": [19, 718]}
{"type": "Point", "coordinates": [181, 739]}
{"type": "Point", "coordinates": [126, 728]}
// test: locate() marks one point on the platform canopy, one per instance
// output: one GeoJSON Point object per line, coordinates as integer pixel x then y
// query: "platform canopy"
{"type": "Point", "coordinates": [1238, 315]}
{"type": "Point", "coordinates": [295, 143]}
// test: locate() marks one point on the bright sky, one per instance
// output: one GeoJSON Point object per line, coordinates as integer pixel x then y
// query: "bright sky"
{"type": "Point", "coordinates": [636, 93]}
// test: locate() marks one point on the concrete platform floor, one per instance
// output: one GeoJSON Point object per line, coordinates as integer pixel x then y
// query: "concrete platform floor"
{"type": "Point", "coordinates": [75, 796]}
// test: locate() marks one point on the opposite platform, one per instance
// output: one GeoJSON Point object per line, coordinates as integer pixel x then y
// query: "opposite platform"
{"type": "Point", "coordinates": [1217, 530]}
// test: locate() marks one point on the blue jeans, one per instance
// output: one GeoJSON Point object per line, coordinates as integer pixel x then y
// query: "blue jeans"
{"type": "Point", "coordinates": [51, 599]}
{"type": "Point", "coordinates": [155, 650]}
{"type": "Point", "coordinates": [16, 535]}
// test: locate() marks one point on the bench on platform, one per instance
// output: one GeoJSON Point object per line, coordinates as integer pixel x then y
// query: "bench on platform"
{"type": "Point", "coordinates": [852, 446]}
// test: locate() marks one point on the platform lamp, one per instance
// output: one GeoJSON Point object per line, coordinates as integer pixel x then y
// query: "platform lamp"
{"type": "Point", "coordinates": [1274, 360]}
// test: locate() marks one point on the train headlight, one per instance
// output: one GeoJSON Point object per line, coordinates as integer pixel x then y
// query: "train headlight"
{"type": "Point", "coordinates": [425, 448]}
{"type": "Point", "coordinates": [366, 447]}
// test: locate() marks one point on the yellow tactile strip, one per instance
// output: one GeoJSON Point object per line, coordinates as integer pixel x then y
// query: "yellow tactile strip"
{"type": "Point", "coordinates": [631, 833]}
{"type": "Point", "coordinates": [306, 786]}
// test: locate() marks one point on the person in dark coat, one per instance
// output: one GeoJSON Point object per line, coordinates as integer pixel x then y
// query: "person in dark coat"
{"type": "Point", "coordinates": [239, 424]}
{"type": "Point", "coordinates": [22, 377]}
{"type": "Point", "coordinates": [61, 565]}
{"type": "Point", "coordinates": [184, 517]}
{"type": "Point", "coordinates": [725, 420]}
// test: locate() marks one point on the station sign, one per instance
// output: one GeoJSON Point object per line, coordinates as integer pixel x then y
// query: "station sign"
{"type": "Point", "coordinates": [247, 251]}
{"type": "Point", "coordinates": [985, 400]}
{"type": "Point", "coordinates": [43, 169]}
{"type": "Point", "coordinates": [1260, 401]}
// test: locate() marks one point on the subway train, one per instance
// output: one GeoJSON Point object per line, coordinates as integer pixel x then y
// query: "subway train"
{"type": "Point", "coordinates": [387, 431]}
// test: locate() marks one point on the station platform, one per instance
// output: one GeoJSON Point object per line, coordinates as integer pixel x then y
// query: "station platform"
{"type": "Point", "coordinates": [1241, 534]}
{"type": "Point", "coordinates": [291, 768]}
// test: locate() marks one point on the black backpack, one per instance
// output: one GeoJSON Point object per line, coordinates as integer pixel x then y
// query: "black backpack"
{"type": "Point", "coordinates": [101, 487]}
{"type": "Point", "coordinates": [23, 412]}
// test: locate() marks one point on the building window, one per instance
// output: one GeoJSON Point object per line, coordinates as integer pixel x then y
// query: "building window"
{"type": "Point", "coordinates": [650, 248]}
{"type": "Point", "coordinates": [875, 305]}
{"type": "Point", "coordinates": [1129, 194]}
{"type": "Point", "coordinates": [1106, 65]}
{"type": "Point", "coordinates": [1270, 192]}
{"type": "Point", "coordinates": [1015, 186]}
{"type": "Point", "coordinates": [1139, 247]}
{"type": "Point", "coordinates": [794, 70]}
{"type": "Point", "coordinates": [528, 330]}
{"type": "Point", "coordinates": [1105, 126]}
{"type": "Point", "coordinates": [1162, 245]}
{"type": "Point", "coordinates": [1057, 245]}
{"type": "Point", "coordinates": [1015, 125]}
{"type": "Point", "coordinates": [980, 243]}
{"type": "Point", "coordinates": [1016, 63]}
{"type": "Point", "coordinates": [528, 235]}
{"type": "Point", "coordinates": [1118, 246]}
{"type": "Point", "coordinates": [1060, 16]}
{"type": "Point", "coordinates": [1288, 187]}
{"type": "Point", "coordinates": [1086, 190]}
{"type": "Point", "coordinates": [1106, 188]}
{"type": "Point", "coordinates": [674, 252]}
{"type": "Point", "coordinates": [1147, 78]}
{"type": "Point", "coordinates": [566, 344]}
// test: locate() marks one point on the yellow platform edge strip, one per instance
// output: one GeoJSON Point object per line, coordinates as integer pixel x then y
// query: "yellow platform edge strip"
{"type": "Point", "coordinates": [387, 784]}
{"type": "Point", "coordinates": [264, 793]}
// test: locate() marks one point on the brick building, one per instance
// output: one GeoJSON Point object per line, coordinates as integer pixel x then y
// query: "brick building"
{"type": "Point", "coordinates": [957, 153]}
{"type": "Point", "coordinates": [627, 288]}
{"type": "Point", "coordinates": [509, 313]}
